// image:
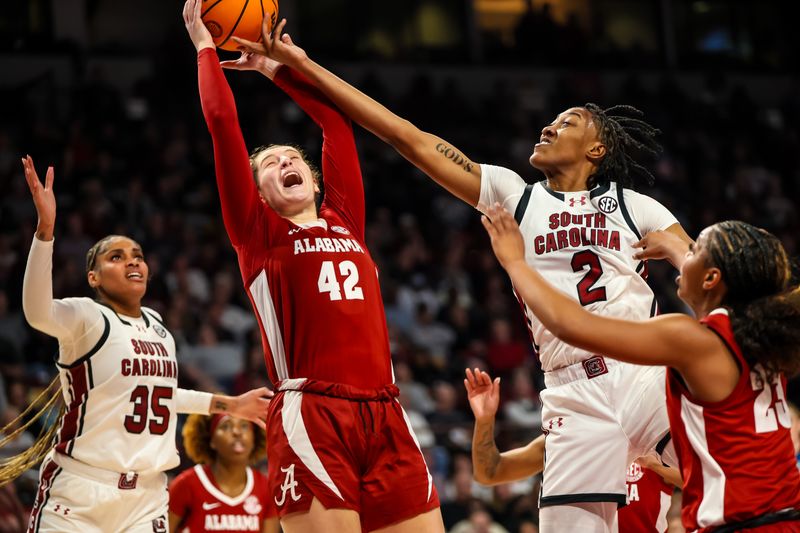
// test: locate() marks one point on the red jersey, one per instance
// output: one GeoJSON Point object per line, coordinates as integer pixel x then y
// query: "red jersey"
{"type": "Point", "coordinates": [736, 455]}
{"type": "Point", "coordinates": [649, 498]}
{"type": "Point", "coordinates": [314, 287]}
{"type": "Point", "coordinates": [201, 506]}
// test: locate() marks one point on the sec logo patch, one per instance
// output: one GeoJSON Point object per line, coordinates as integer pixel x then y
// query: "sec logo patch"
{"type": "Point", "coordinates": [635, 473]}
{"type": "Point", "coordinates": [607, 204]}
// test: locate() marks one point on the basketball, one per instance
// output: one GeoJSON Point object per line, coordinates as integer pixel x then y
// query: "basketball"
{"type": "Point", "coordinates": [240, 18]}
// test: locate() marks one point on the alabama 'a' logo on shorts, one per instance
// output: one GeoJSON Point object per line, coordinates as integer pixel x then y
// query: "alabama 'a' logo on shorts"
{"type": "Point", "coordinates": [288, 486]}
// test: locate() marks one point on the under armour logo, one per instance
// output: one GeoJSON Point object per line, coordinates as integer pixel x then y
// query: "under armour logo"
{"type": "Point", "coordinates": [288, 485]}
{"type": "Point", "coordinates": [582, 200]}
{"type": "Point", "coordinates": [558, 423]}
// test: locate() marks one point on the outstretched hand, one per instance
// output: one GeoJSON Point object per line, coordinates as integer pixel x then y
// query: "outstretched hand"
{"type": "Point", "coordinates": [192, 19]}
{"type": "Point", "coordinates": [661, 245]}
{"type": "Point", "coordinates": [504, 233]}
{"type": "Point", "coordinates": [253, 406]}
{"type": "Point", "coordinates": [43, 198]}
{"type": "Point", "coordinates": [252, 61]}
{"type": "Point", "coordinates": [277, 45]}
{"type": "Point", "coordinates": [483, 393]}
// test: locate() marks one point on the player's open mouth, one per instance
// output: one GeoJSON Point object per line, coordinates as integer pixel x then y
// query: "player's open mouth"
{"type": "Point", "coordinates": [542, 142]}
{"type": "Point", "coordinates": [292, 179]}
{"type": "Point", "coordinates": [135, 275]}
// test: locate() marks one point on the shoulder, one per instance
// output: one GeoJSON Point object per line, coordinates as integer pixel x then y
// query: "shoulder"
{"type": "Point", "coordinates": [494, 172]}
{"type": "Point", "coordinates": [184, 480]}
{"type": "Point", "coordinates": [153, 314]}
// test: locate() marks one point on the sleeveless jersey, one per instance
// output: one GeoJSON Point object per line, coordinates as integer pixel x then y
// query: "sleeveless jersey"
{"type": "Point", "coordinates": [314, 287]}
{"type": "Point", "coordinates": [581, 243]}
{"type": "Point", "coordinates": [202, 506]}
{"type": "Point", "coordinates": [120, 396]}
{"type": "Point", "coordinates": [649, 498]}
{"type": "Point", "coordinates": [736, 455]}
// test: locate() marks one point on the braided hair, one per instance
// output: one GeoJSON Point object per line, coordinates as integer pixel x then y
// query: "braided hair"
{"type": "Point", "coordinates": [623, 132]}
{"type": "Point", "coordinates": [763, 306]}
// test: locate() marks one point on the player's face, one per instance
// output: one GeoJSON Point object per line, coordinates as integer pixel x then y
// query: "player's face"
{"type": "Point", "coordinates": [120, 270]}
{"type": "Point", "coordinates": [694, 270]}
{"type": "Point", "coordinates": [565, 141]}
{"type": "Point", "coordinates": [285, 180]}
{"type": "Point", "coordinates": [233, 440]}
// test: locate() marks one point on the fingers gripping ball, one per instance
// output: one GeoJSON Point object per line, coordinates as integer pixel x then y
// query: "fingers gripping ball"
{"type": "Point", "coordinates": [242, 18]}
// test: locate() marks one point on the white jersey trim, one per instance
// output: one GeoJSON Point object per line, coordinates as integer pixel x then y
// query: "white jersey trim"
{"type": "Point", "coordinates": [296, 434]}
{"type": "Point", "coordinates": [711, 510]}
{"type": "Point", "coordinates": [218, 494]}
{"type": "Point", "coordinates": [262, 297]}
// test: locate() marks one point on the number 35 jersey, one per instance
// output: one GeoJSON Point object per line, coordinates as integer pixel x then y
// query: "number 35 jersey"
{"type": "Point", "coordinates": [120, 394]}
{"type": "Point", "coordinates": [581, 242]}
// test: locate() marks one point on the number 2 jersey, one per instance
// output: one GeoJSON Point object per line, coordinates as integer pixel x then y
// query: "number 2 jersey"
{"type": "Point", "coordinates": [314, 287]}
{"type": "Point", "coordinates": [736, 455]}
{"type": "Point", "coordinates": [119, 376]}
{"type": "Point", "coordinates": [581, 242]}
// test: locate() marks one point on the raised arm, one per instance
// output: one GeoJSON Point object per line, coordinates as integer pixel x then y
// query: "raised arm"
{"type": "Point", "coordinates": [437, 158]}
{"type": "Point", "coordinates": [57, 318]}
{"type": "Point", "coordinates": [237, 189]}
{"type": "Point", "coordinates": [344, 189]}
{"type": "Point", "coordinates": [491, 467]}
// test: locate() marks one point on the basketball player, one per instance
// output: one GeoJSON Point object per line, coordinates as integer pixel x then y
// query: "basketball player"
{"type": "Point", "coordinates": [649, 494]}
{"type": "Point", "coordinates": [221, 492]}
{"type": "Point", "coordinates": [580, 226]}
{"type": "Point", "coordinates": [342, 456]}
{"type": "Point", "coordinates": [119, 377]}
{"type": "Point", "coordinates": [726, 383]}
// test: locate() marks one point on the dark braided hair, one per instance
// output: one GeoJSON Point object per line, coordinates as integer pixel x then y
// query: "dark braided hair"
{"type": "Point", "coordinates": [623, 132]}
{"type": "Point", "coordinates": [763, 306]}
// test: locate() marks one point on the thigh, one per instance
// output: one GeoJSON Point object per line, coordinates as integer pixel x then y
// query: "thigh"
{"type": "Point", "coordinates": [585, 447]}
{"type": "Point", "coordinates": [430, 522]}
{"type": "Point", "coordinates": [321, 520]}
{"type": "Point", "coordinates": [312, 445]}
{"type": "Point", "coordinates": [397, 486]}
{"type": "Point", "coordinates": [642, 405]}
{"type": "Point", "coordinates": [145, 511]}
{"type": "Point", "coordinates": [579, 518]}
{"type": "Point", "coordinates": [67, 502]}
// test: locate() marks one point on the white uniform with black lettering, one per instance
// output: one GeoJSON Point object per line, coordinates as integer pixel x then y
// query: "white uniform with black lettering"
{"type": "Point", "coordinates": [119, 381]}
{"type": "Point", "coordinates": [598, 414]}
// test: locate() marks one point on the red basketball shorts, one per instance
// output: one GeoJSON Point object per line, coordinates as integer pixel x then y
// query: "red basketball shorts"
{"type": "Point", "coordinates": [350, 449]}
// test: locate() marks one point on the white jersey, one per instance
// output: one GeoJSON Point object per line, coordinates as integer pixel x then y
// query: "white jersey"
{"type": "Point", "coordinates": [581, 242]}
{"type": "Point", "coordinates": [119, 376]}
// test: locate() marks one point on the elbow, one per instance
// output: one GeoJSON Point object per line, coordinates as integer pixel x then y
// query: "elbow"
{"type": "Point", "coordinates": [403, 136]}
{"type": "Point", "coordinates": [483, 479]}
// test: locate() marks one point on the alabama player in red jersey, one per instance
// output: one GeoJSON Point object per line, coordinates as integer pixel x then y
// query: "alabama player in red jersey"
{"type": "Point", "coordinates": [648, 495]}
{"type": "Point", "coordinates": [103, 470]}
{"type": "Point", "coordinates": [726, 383]}
{"type": "Point", "coordinates": [221, 492]}
{"type": "Point", "coordinates": [342, 456]}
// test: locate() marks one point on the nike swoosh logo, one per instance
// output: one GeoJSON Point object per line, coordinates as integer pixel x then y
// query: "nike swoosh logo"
{"type": "Point", "coordinates": [209, 506]}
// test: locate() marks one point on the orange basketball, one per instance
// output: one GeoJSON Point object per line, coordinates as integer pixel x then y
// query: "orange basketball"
{"type": "Point", "coordinates": [242, 18]}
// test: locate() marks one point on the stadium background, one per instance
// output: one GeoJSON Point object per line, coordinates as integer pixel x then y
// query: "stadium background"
{"type": "Point", "coordinates": [107, 93]}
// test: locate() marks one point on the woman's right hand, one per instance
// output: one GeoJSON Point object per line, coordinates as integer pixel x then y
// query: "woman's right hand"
{"type": "Point", "coordinates": [43, 199]}
{"type": "Point", "coordinates": [483, 394]}
{"type": "Point", "coordinates": [277, 45]}
{"type": "Point", "coordinates": [192, 18]}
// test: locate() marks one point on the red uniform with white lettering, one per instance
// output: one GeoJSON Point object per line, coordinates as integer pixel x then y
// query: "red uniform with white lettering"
{"type": "Point", "coordinates": [316, 294]}
{"type": "Point", "coordinates": [195, 497]}
{"type": "Point", "coordinates": [649, 498]}
{"type": "Point", "coordinates": [736, 456]}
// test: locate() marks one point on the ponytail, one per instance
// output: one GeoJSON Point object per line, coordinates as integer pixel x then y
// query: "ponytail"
{"type": "Point", "coordinates": [48, 400]}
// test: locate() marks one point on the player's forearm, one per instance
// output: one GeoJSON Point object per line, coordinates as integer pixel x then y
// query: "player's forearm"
{"type": "Point", "coordinates": [485, 455]}
{"type": "Point", "coordinates": [37, 290]}
{"type": "Point", "coordinates": [311, 100]}
{"type": "Point", "coordinates": [216, 97]}
{"type": "Point", "coordinates": [362, 109]}
{"type": "Point", "coordinates": [193, 402]}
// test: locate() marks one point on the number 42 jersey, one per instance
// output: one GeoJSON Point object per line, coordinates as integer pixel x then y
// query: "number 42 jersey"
{"type": "Point", "coordinates": [581, 242]}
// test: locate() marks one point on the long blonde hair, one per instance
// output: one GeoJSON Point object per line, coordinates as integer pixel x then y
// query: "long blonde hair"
{"type": "Point", "coordinates": [42, 407]}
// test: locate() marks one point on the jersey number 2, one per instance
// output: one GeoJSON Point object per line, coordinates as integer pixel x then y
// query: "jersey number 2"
{"type": "Point", "coordinates": [138, 421]}
{"type": "Point", "coordinates": [328, 282]}
{"type": "Point", "coordinates": [587, 294]}
{"type": "Point", "coordinates": [770, 407]}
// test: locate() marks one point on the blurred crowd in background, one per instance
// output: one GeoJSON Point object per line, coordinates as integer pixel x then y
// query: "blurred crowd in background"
{"type": "Point", "coordinates": [139, 162]}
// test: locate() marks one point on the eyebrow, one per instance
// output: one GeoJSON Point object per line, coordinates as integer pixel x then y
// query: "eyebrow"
{"type": "Point", "coordinates": [121, 250]}
{"type": "Point", "coordinates": [568, 113]}
{"type": "Point", "coordinates": [294, 152]}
